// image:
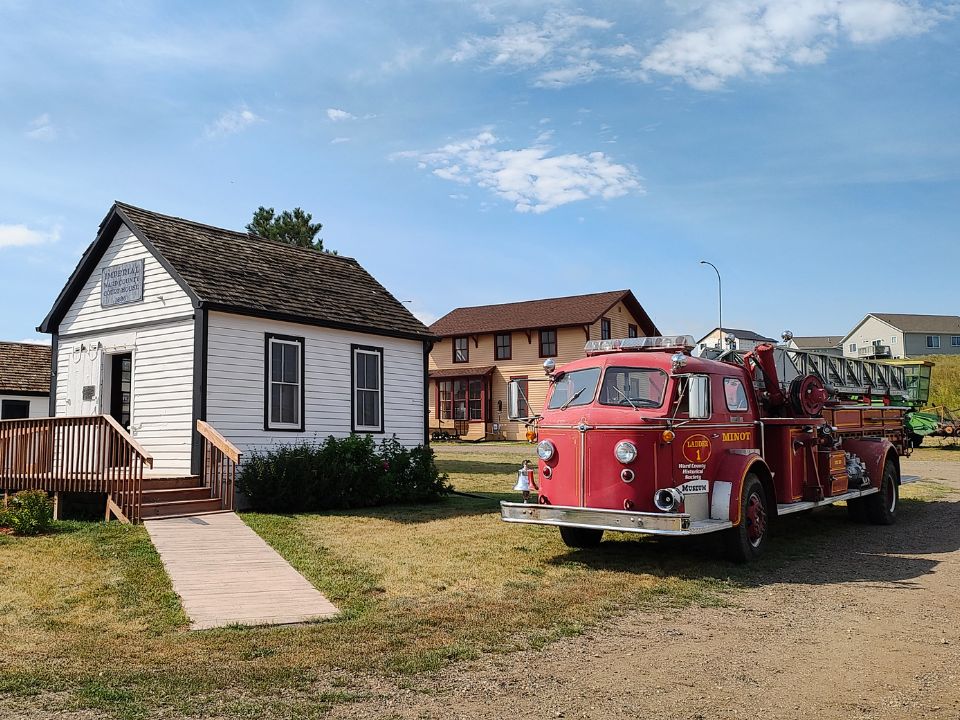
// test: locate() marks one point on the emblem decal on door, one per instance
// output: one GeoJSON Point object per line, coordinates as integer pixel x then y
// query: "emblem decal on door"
{"type": "Point", "coordinates": [696, 448]}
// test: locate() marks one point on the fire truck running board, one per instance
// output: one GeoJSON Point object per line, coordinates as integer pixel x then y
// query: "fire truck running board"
{"type": "Point", "coordinates": [788, 508]}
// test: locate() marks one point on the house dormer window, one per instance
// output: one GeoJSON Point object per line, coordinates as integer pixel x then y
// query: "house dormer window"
{"type": "Point", "coordinates": [283, 406]}
{"type": "Point", "coordinates": [461, 350]}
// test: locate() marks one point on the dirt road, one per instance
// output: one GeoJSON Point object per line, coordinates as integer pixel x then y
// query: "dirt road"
{"type": "Point", "coordinates": [868, 627]}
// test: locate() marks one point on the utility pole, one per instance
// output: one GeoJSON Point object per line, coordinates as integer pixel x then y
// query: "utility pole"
{"type": "Point", "coordinates": [719, 297]}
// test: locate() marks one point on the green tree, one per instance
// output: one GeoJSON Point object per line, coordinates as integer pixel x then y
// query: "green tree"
{"type": "Point", "coordinates": [293, 227]}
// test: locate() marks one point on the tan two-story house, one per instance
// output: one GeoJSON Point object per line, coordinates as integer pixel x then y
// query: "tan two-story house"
{"type": "Point", "coordinates": [482, 348]}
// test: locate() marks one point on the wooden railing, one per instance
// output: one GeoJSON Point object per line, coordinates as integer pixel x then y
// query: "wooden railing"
{"type": "Point", "coordinates": [75, 454]}
{"type": "Point", "coordinates": [219, 459]}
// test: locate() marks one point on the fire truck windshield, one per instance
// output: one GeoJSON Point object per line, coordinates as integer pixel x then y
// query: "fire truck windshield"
{"type": "Point", "coordinates": [574, 388]}
{"type": "Point", "coordinates": [636, 387]}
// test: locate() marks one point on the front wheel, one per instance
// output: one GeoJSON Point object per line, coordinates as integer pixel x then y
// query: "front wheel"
{"type": "Point", "coordinates": [882, 506]}
{"type": "Point", "coordinates": [580, 537]}
{"type": "Point", "coordinates": [748, 540]}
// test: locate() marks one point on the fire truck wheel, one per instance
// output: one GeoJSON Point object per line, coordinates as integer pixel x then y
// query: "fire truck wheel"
{"type": "Point", "coordinates": [748, 540]}
{"type": "Point", "coordinates": [581, 537]}
{"type": "Point", "coordinates": [882, 506]}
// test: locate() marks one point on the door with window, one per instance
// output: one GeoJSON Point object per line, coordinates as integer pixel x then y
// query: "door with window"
{"type": "Point", "coordinates": [121, 373]}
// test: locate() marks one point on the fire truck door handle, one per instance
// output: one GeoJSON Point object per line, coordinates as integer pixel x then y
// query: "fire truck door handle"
{"type": "Point", "coordinates": [715, 435]}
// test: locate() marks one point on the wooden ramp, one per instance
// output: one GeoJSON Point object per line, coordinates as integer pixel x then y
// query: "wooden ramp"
{"type": "Point", "coordinates": [226, 574]}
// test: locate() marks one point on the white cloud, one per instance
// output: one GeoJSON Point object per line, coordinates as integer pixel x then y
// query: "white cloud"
{"type": "Point", "coordinates": [337, 115]}
{"type": "Point", "coordinates": [425, 316]}
{"type": "Point", "coordinates": [530, 178]}
{"type": "Point", "coordinates": [739, 38]}
{"type": "Point", "coordinates": [22, 236]}
{"type": "Point", "coordinates": [556, 41]}
{"type": "Point", "coordinates": [716, 41]}
{"type": "Point", "coordinates": [232, 122]}
{"type": "Point", "coordinates": [34, 341]}
{"type": "Point", "coordinates": [41, 128]}
{"type": "Point", "coordinates": [338, 140]}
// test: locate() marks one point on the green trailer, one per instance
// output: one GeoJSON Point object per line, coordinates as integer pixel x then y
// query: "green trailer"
{"type": "Point", "coordinates": [920, 424]}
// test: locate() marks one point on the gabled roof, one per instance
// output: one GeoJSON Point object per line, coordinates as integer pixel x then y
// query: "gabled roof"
{"type": "Point", "coordinates": [546, 313]}
{"type": "Point", "coordinates": [24, 369]}
{"type": "Point", "coordinates": [921, 323]}
{"type": "Point", "coordinates": [816, 341]}
{"type": "Point", "coordinates": [246, 274]}
{"type": "Point", "coordinates": [740, 334]}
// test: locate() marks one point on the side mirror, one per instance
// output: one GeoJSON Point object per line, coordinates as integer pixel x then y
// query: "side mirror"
{"type": "Point", "coordinates": [698, 389]}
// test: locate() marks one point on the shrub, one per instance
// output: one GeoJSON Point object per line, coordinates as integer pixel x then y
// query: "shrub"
{"type": "Point", "coordinates": [29, 512]}
{"type": "Point", "coordinates": [340, 473]}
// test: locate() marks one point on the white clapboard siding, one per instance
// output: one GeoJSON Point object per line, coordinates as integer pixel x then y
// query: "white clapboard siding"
{"type": "Point", "coordinates": [162, 386]}
{"type": "Point", "coordinates": [39, 405]}
{"type": "Point", "coordinates": [235, 382]}
{"type": "Point", "coordinates": [163, 298]}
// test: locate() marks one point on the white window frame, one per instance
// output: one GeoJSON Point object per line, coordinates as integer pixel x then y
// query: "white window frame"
{"type": "Point", "coordinates": [955, 341]}
{"type": "Point", "coordinates": [268, 421]}
{"type": "Point", "coordinates": [933, 342]}
{"type": "Point", "coordinates": [853, 347]}
{"type": "Point", "coordinates": [356, 350]}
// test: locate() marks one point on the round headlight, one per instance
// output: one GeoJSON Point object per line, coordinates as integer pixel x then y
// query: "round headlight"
{"type": "Point", "coordinates": [545, 450]}
{"type": "Point", "coordinates": [625, 451]}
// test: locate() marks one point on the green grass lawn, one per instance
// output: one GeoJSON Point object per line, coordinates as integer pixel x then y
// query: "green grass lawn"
{"type": "Point", "coordinates": [88, 619]}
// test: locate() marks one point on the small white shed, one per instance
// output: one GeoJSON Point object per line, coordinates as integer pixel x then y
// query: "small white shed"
{"type": "Point", "coordinates": [167, 321]}
{"type": "Point", "coordinates": [24, 380]}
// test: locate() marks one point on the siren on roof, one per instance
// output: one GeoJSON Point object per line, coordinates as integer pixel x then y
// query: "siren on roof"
{"type": "Point", "coordinates": [664, 342]}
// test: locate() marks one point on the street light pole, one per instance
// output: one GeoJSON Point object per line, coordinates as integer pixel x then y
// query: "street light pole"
{"type": "Point", "coordinates": [719, 297]}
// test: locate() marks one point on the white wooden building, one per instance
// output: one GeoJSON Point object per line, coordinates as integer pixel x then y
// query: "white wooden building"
{"type": "Point", "coordinates": [166, 322]}
{"type": "Point", "coordinates": [24, 380]}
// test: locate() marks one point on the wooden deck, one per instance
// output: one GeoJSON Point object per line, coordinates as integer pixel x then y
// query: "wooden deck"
{"type": "Point", "coordinates": [226, 574]}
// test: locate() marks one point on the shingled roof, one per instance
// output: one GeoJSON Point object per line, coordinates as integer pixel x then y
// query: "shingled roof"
{"type": "Point", "coordinates": [247, 274]}
{"type": "Point", "coordinates": [24, 369]}
{"type": "Point", "coordinates": [921, 323]}
{"type": "Point", "coordinates": [806, 342]}
{"type": "Point", "coordinates": [547, 313]}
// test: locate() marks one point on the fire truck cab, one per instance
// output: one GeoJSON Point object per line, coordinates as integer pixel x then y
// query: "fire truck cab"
{"type": "Point", "coordinates": [640, 436]}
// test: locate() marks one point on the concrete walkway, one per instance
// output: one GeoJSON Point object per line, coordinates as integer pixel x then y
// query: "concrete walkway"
{"type": "Point", "coordinates": [226, 574]}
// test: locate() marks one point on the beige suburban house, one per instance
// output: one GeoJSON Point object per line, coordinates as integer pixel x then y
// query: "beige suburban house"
{"type": "Point", "coordinates": [480, 349]}
{"type": "Point", "coordinates": [892, 335]}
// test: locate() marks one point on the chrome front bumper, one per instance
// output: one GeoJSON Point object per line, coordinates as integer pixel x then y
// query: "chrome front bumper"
{"type": "Point", "coordinates": [671, 524]}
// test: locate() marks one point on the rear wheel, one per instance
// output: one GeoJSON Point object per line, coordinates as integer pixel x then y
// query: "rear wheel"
{"type": "Point", "coordinates": [882, 506]}
{"type": "Point", "coordinates": [748, 540]}
{"type": "Point", "coordinates": [581, 537]}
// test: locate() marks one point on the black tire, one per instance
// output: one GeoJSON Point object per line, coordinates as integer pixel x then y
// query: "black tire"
{"type": "Point", "coordinates": [748, 540]}
{"type": "Point", "coordinates": [580, 537]}
{"type": "Point", "coordinates": [882, 506]}
{"type": "Point", "coordinates": [857, 510]}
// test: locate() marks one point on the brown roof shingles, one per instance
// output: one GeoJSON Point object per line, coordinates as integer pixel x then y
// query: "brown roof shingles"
{"type": "Point", "coordinates": [247, 272]}
{"type": "Point", "coordinates": [547, 313]}
{"type": "Point", "coordinates": [24, 368]}
{"type": "Point", "coordinates": [921, 323]}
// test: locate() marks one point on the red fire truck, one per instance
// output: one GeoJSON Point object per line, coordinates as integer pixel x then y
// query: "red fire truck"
{"type": "Point", "coordinates": [641, 436]}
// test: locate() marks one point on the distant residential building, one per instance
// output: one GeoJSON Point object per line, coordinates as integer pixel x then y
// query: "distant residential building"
{"type": "Point", "coordinates": [893, 335]}
{"type": "Point", "coordinates": [829, 344]}
{"type": "Point", "coordinates": [482, 348]}
{"type": "Point", "coordinates": [24, 380]}
{"type": "Point", "coordinates": [742, 339]}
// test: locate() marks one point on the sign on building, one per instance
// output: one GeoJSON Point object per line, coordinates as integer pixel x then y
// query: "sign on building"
{"type": "Point", "coordinates": [122, 284]}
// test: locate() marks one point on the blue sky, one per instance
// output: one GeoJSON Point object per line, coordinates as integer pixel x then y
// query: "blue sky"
{"type": "Point", "coordinates": [471, 153]}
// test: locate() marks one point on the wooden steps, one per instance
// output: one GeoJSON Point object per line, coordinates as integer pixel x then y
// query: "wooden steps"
{"type": "Point", "coordinates": [166, 497]}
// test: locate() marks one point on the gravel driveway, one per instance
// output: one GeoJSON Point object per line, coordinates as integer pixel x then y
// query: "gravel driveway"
{"type": "Point", "coordinates": [868, 628]}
